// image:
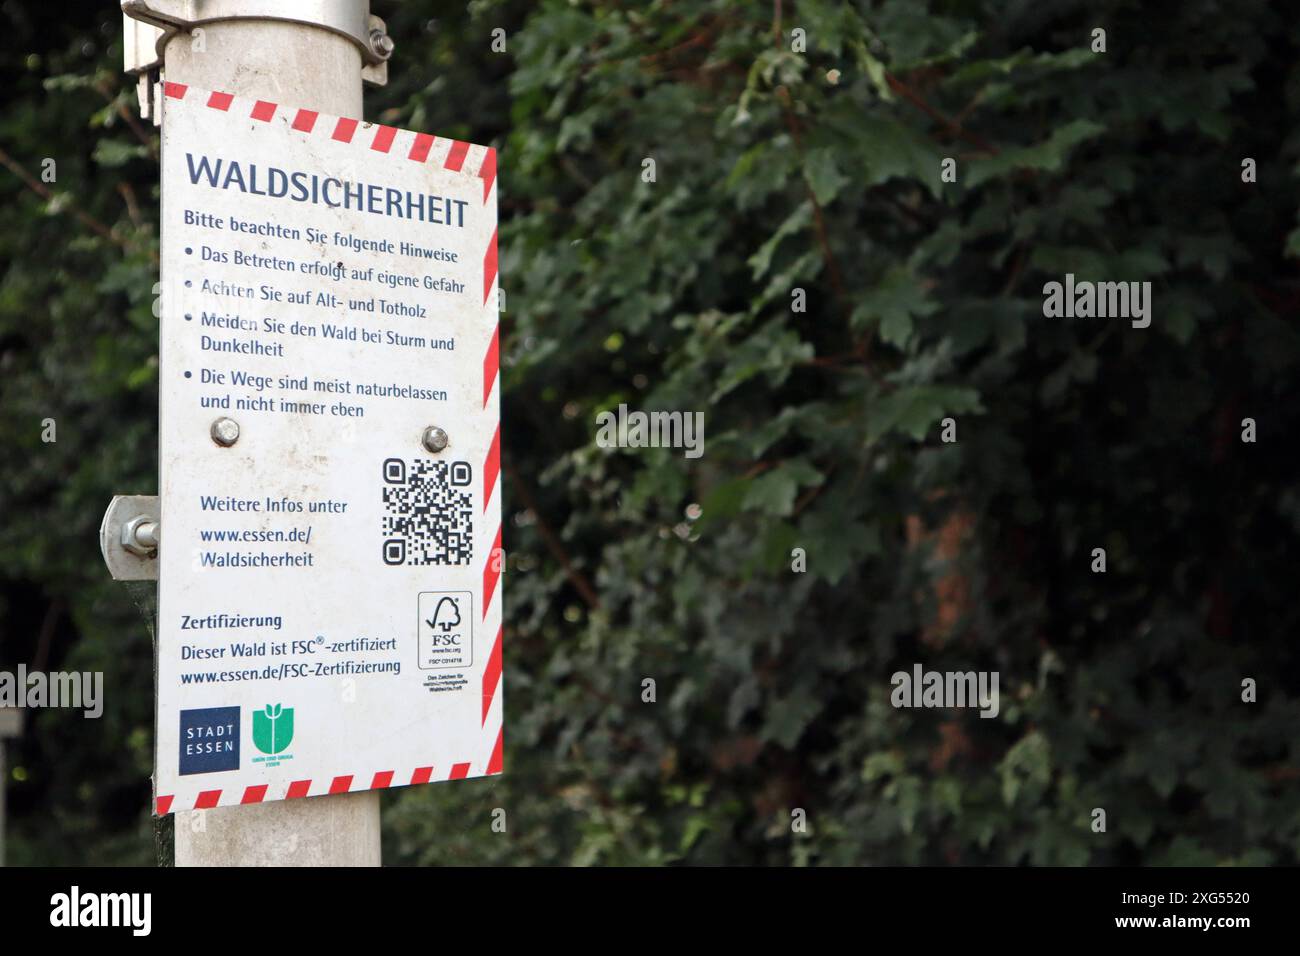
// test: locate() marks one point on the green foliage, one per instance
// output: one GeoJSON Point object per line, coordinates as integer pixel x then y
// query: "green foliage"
{"type": "Point", "coordinates": [775, 170]}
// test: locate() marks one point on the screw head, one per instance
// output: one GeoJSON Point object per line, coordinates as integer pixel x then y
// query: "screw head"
{"type": "Point", "coordinates": [225, 432]}
{"type": "Point", "coordinates": [435, 439]}
{"type": "Point", "coordinates": [381, 43]}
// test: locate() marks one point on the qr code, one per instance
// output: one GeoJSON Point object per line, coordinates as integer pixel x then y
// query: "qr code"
{"type": "Point", "coordinates": [428, 514]}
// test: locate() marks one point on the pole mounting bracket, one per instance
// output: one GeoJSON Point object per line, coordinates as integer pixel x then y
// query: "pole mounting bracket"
{"type": "Point", "coordinates": [129, 537]}
{"type": "Point", "coordinates": [148, 25]}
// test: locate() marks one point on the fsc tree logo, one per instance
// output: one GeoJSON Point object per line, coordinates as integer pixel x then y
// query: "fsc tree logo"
{"type": "Point", "coordinates": [446, 630]}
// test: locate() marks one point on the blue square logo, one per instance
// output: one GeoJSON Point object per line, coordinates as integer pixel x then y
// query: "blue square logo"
{"type": "Point", "coordinates": [209, 740]}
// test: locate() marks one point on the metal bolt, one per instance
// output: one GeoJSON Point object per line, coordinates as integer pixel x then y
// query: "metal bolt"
{"type": "Point", "coordinates": [381, 43]}
{"type": "Point", "coordinates": [225, 432]}
{"type": "Point", "coordinates": [435, 439]}
{"type": "Point", "coordinates": [140, 536]}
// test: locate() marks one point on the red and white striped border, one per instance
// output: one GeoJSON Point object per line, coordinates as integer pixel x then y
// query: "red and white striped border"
{"type": "Point", "coordinates": [209, 799]}
{"type": "Point", "coordinates": [452, 154]}
{"type": "Point", "coordinates": [471, 160]}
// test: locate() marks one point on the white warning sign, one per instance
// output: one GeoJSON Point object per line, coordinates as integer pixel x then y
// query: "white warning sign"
{"type": "Point", "coordinates": [329, 613]}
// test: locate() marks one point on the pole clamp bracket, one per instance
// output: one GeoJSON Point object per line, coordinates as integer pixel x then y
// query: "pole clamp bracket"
{"type": "Point", "coordinates": [129, 537]}
{"type": "Point", "coordinates": [148, 25]}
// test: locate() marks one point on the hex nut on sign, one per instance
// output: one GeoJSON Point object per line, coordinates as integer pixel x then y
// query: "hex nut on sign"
{"type": "Point", "coordinates": [225, 432]}
{"type": "Point", "coordinates": [435, 439]}
{"type": "Point", "coordinates": [140, 536]}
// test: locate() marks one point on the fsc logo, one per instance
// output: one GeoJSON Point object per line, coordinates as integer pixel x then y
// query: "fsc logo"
{"type": "Point", "coordinates": [446, 628]}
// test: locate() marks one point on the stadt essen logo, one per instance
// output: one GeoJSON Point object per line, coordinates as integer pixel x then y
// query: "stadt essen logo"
{"type": "Point", "coordinates": [272, 733]}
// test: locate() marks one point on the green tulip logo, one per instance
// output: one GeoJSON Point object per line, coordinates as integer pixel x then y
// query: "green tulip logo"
{"type": "Point", "coordinates": [273, 728]}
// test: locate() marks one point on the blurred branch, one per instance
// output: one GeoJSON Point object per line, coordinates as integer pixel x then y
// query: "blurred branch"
{"type": "Point", "coordinates": [819, 219]}
{"type": "Point", "coordinates": [87, 220]}
{"type": "Point", "coordinates": [106, 90]}
{"type": "Point", "coordinates": [553, 542]}
{"type": "Point", "coordinates": [132, 205]}
{"type": "Point", "coordinates": [917, 100]}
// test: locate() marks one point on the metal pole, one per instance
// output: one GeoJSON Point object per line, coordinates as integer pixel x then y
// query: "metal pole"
{"type": "Point", "coordinates": [298, 64]}
{"type": "Point", "coordinates": [11, 725]}
{"type": "Point", "coordinates": [4, 780]}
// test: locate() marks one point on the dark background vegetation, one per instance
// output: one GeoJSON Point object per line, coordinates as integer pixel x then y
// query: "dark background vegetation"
{"type": "Point", "coordinates": [775, 170]}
